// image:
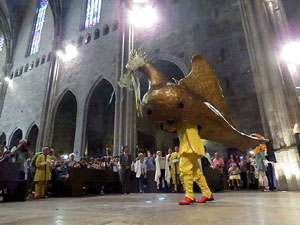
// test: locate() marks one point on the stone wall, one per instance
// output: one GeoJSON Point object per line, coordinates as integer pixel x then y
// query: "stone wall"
{"type": "Point", "coordinates": [25, 94]}
{"type": "Point", "coordinates": [211, 28]}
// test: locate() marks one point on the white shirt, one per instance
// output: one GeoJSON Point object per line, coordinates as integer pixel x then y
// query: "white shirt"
{"type": "Point", "coordinates": [162, 163]}
{"type": "Point", "coordinates": [140, 168]}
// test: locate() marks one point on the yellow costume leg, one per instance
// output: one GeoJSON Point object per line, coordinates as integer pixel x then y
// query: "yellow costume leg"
{"type": "Point", "coordinates": [37, 190]}
{"type": "Point", "coordinates": [175, 181]}
{"type": "Point", "coordinates": [186, 167]}
{"type": "Point", "coordinates": [201, 181]}
{"type": "Point", "coordinates": [190, 169]}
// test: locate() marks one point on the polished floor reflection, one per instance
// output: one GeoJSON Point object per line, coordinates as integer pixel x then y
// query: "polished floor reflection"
{"type": "Point", "coordinates": [275, 208]}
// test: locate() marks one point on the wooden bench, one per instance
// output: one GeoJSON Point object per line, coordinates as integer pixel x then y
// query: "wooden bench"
{"type": "Point", "coordinates": [90, 180]}
{"type": "Point", "coordinates": [12, 183]}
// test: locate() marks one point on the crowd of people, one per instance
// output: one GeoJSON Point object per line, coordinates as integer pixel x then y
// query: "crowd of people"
{"type": "Point", "coordinates": [151, 170]}
{"type": "Point", "coordinates": [245, 171]}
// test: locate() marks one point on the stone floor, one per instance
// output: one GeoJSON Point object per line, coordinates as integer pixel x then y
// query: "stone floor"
{"type": "Point", "coordinates": [234, 208]}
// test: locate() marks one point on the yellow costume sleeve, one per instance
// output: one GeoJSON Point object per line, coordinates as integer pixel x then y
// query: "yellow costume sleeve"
{"type": "Point", "coordinates": [40, 159]}
{"type": "Point", "coordinates": [174, 155]}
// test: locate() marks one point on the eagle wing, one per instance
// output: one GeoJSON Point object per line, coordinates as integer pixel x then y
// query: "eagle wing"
{"type": "Point", "coordinates": [203, 81]}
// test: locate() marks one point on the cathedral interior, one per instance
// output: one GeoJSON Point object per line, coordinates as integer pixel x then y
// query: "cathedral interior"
{"type": "Point", "coordinates": [62, 61]}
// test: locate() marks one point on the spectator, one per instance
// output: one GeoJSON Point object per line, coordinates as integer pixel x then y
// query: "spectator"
{"type": "Point", "coordinates": [261, 165]}
{"type": "Point", "coordinates": [81, 164]}
{"type": "Point", "coordinates": [125, 171]}
{"type": "Point", "coordinates": [231, 160]}
{"type": "Point", "coordinates": [7, 157]}
{"type": "Point", "coordinates": [27, 167]}
{"type": "Point", "coordinates": [252, 180]}
{"type": "Point", "coordinates": [20, 153]}
{"type": "Point", "coordinates": [43, 174]}
{"type": "Point", "coordinates": [218, 163]}
{"type": "Point", "coordinates": [61, 170]}
{"type": "Point", "coordinates": [91, 161]}
{"type": "Point", "coordinates": [234, 176]}
{"type": "Point", "coordinates": [116, 165]}
{"type": "Point", "coordinates": [170, 151]}
{"type": "Point", "coordinates": [162, 172]}
{"type": "Point", "coordinates": [70, 163]}
{"type": "Point", "coordinates": [150, 165]}
{"type": "Point", "coordinates": [140, 170]}
{"type": "Point", "coordinates": [52, 154]}
{"type": "Point", "coordinates": [150, 162]}
{"type": "Point", "coordinates": [243, 168]}
{"type": "Point", "coordinates": [174, 159]}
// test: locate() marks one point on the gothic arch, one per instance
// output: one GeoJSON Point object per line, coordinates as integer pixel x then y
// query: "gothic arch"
{"type": "Point", "coordinates": [63, 93]}
{"type": "Point", "coordinates": [2, 138]}
{"type": "Point", "coordinates": [32, 136]}
{"type": "Point", "coordinates": [15, 137]}
{"type": "Point", "coordinates": [63, 133]}
{"type": "Point", "coordinates": [99, 117]}
{"type": "Point", "coordinates": [171, 58]}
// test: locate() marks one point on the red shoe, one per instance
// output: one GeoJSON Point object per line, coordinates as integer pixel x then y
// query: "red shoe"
{"type": "Point", "coordinates": [36, 197]}
{"type": "Point", "coordinates": [185, 201]}
{"type": "Point", "coordinates": [174, 191]}
{"type": "Point", "coordinates": [205, 199]}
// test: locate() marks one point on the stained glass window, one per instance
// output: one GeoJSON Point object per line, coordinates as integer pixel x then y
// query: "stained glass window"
{"type": "Point", "coordinates": [1, 44]}
{"type": "Point", "coordinates": [93, 11]}
{"type": "Point", "coordinates": [36, 39]}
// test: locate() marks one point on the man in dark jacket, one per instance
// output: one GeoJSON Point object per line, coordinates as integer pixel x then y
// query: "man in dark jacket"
{"type": "Point", "coordinates": [125, 162]}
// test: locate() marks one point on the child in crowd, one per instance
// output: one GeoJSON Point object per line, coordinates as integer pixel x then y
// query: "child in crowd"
{"type": "Point", "coordinates": [234, 176]}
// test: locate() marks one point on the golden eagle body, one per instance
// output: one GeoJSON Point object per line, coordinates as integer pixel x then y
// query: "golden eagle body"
{"type": "Point", "coordinates": [196, 99]}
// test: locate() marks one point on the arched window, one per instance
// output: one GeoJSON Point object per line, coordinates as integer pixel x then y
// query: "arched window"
{"type": "Point", "coordinates": [26, 68]}
{"type": "Point", "coordinates": [38, 27]}
{"type": "Point", "coordinates": [1, 44]}
{"type": "Point", "coordinates": [49, 57]}
{"type": "Point", "coordinates": [21, 71]}
{"type": "Point", "coordinates": [115, 25]}
{"type": "Point", "coordinates": [37, 62]}
{"type": "Point", "coordinates": [3, 139]}
{"type": "Point", "coordinates": [43, 59]}
{"type": "Point", "coordinates": [105, 30]}
{"type": "Point", "coordinates": [96, 34]}
{"type": "Point", "coordinates": [93, 13]}
{"type": "Point", "coordinates": [31, 66]}
{"type": "Point", "coordinates": [79, 41]}
{"type": "Point", "coordinates": [88, 38]}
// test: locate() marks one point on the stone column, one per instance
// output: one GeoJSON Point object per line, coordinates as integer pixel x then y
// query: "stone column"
{"type": "Point", "coordinates": [79, 144]}
{"type": "Point", "coordinates": [124, 129]}
{"type": "Point", "coordinates": [265, 28]}
{"type": "Point", "coordinates": [47, 117]}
